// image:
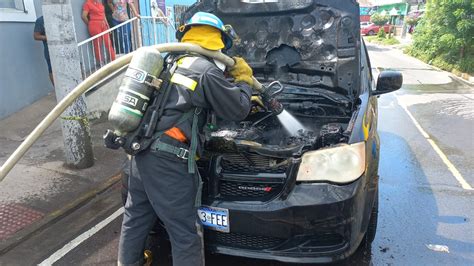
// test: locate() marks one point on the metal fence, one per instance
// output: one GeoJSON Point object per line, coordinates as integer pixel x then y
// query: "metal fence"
{"type": "Point", "coordinates": [124, 38]}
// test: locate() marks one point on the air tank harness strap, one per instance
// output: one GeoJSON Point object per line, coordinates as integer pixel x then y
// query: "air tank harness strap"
{"type": "Point", "coordinates": [192, 156]}
{"type": "Point", "coordinates": [182, 153]}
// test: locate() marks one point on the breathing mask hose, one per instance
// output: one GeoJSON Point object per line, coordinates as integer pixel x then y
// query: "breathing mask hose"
{"type": "Point", "coordinates": [92, 80]}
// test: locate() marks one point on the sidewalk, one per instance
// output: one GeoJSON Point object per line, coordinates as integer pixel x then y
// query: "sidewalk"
{"type": "Point", "coordinates": [40, 190]}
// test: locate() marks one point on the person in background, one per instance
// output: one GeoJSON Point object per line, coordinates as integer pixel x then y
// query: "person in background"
{"type": "Point", "coordinates": [108, 12]}
{"type": "Point", "coordinates": [120, 15]}
{"type": "Point", "coordinates": [158, 13]}
{"type": "Point", "coordinates": [108, 17]}
{"type": "Point", "coordinates": [93, 14]}
{"type": "Point", "coordinates": [39, 34]}
{"type": "Point", "coordinates": [160, 28]}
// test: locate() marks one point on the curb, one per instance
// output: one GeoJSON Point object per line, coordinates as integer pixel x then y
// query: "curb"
{"type": "Point", "coordinates": [464, 77]}
{"type": "Point", "coordinates": [55, 216]}
{"type": "Point", "coordinates": [451, 73]}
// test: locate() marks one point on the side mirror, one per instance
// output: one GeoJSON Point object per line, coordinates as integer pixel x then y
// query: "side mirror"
{"type": "Point", "coordinates": [388, 81]}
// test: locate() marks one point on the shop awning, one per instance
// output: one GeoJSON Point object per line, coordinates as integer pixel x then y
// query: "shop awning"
{"type": "Point", "coordinates": [399, 9]}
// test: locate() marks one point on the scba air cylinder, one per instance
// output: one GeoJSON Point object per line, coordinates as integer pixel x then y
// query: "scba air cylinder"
{"type": "Point", "coordinates": [134, 94]}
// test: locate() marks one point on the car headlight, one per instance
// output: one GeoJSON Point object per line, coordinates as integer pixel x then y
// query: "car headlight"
{"type": "Point", "coordinates": [341, 164]}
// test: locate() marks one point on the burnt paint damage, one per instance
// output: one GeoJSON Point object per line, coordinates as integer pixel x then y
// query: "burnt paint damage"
{"type": "Point", "coordinates": [266, 136]}
{"type": "Point", "coordinates": [305, 43]}
{"type": "Point", "coordinates": [309, 46]}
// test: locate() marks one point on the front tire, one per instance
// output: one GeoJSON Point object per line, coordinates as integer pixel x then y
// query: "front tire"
{"type": "Point", "coordinates": [371, 33]}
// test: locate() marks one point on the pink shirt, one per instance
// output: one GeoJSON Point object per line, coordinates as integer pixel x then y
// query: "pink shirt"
{"type": "Point", "coordinates": [120, 10]}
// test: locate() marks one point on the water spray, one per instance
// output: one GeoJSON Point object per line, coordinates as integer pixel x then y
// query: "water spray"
{"type": "Point", "coordinates": [268, 94]}
{"type": "Point", "coordinates": [290, 123]}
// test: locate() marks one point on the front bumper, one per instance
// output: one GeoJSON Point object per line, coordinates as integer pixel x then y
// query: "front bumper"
{"type": "Point", "coordinates": [314, 223]}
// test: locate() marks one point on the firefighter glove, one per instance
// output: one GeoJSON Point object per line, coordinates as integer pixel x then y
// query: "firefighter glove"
{"type": "Point", "coordinates": [257, 100]}
{"type": "Point", "coordinates": [241, 71]}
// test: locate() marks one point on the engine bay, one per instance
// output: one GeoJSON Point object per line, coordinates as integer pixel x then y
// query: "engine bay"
{"type": "Point", "coordinates": [323, 121]}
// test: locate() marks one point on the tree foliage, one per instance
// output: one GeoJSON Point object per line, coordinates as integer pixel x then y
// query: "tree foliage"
{"type": "Point", "coordinates": [445, 33]}
{"type": "Point", "coordinates": [378, 19]}
{"type": "Point", "coordinates": [411, 21]}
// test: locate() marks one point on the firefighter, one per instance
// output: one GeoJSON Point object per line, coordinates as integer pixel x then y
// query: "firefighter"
{"type": "Point", "coordinates": [167, 183]}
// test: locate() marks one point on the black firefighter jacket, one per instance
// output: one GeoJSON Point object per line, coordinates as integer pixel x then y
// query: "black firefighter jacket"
{"type": "Point", "coordinates": [198, 82]}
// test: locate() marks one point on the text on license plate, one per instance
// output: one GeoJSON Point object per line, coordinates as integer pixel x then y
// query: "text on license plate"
{"type": "Point", "coordinates": [214, 218]}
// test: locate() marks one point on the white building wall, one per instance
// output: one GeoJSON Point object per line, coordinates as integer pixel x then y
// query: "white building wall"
{"type": "Point", "coordinates": [23, 70]}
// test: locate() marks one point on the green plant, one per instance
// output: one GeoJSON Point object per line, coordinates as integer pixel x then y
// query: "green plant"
{"type": "Point", "coordinates": [370, 38]}
{"type": "Point", "coordinates": [467, 65]}
{"type": "Point", "coordinates": [441, 63]}
{"type": "Point", "coordinates": [382, 41]}
{"type": "Point", "coordinates": [390, 41]}
{"type": "Point", "coordinates": [444, 34]}
{"type": "Point", "coordinates": [378, 19]}
{"type": "Point", "coordinates": [408, 50]}
{"type": "Point", "coordinates": [381, 34]}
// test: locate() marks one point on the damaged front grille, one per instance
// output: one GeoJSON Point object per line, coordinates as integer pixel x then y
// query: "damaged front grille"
{"type": "Point", "coordinates": [251, 163]}
{"type": "Point", "coordinates": [239, 240]}
{"type": "Point", "coordinates": [229, 166]}
{"type": "Point", "coordinates": [250, 177]}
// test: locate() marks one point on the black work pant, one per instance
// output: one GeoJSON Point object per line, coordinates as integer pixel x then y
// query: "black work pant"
{"type": "Point", "coordinates": [162, 187]}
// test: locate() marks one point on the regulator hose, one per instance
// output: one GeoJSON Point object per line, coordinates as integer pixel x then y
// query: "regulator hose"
{"type": "Point", "coordinates": [92, 80]}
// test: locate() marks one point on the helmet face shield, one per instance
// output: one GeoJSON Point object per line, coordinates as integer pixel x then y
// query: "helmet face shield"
{"type": "Point", "coordinates": [229, 30]}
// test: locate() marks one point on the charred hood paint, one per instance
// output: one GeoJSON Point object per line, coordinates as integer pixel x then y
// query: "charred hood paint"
{"type": "Point", "coordinates": [308, 43]}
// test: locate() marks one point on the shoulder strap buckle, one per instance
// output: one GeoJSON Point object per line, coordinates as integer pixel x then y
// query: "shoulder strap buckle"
{"type": "Point", "coordinates": [154, 82]}
{"type": "Point", "coordinates": [183, 153]}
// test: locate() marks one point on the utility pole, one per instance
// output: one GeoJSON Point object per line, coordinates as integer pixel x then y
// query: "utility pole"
{"type": "Point", "coordinates": [62, 44]}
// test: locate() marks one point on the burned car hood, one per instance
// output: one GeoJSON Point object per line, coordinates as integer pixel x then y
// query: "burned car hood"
{"type": "Point", "coordinates": [307, 43]}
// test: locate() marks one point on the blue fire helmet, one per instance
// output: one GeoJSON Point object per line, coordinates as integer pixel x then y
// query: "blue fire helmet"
{"type": "Point", "coordinates": [204, 18]}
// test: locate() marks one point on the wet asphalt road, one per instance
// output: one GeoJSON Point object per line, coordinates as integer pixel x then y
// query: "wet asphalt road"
{"type": "Point", "coordinates": [422, 204]}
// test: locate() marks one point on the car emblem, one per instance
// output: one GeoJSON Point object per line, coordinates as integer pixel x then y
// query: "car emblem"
{"type": "Point", "coordinates": [266, 189]}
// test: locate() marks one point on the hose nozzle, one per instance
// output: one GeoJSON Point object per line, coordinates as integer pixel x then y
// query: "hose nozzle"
{"type": "Point", "coordinates": [269, 94]}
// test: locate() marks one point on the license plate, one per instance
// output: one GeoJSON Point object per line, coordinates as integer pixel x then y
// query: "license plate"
{"type": "Point", "coordinates": [214, 218]}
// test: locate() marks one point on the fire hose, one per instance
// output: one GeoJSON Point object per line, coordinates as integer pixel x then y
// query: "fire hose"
{"type": "Point", "coordinates": [95, 78]}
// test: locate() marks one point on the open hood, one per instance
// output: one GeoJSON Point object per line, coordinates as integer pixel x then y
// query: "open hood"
{"type": "Point", "coordinates": [305, 43]}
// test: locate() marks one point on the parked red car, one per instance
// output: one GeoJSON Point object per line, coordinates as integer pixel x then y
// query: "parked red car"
{"type": "Point", "coordinates": [373, 29]}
